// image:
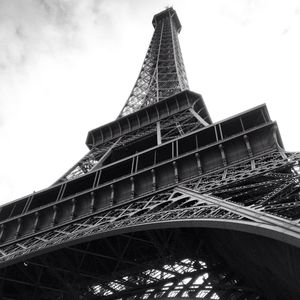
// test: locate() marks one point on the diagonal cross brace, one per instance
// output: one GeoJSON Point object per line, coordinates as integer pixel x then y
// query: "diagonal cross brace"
{"type": "Point", "coordinates": [283, 226]}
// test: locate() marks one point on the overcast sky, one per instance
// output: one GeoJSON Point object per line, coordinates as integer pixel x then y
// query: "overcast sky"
{"type": "Point", "coordinates": [67, 66]}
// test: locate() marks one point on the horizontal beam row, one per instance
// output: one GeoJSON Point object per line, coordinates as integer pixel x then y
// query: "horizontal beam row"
{"type": "Point", "coordinates": [156, 209]}
{"type": "Point", "coordinates": [215, 152]}
{"type": "Point", "coordinates": [146, 116]}
{"type": "Point", "coordinates": [87, 199]}
{"type": "Point", "coordinates": [201, 139]}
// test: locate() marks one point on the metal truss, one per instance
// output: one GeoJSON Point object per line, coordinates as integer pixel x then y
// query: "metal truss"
{"type": "Point", "coordinates": [179, 125]}
{"type": "Point", "coordinates": [89, 161]}
{"type": "Point", "coordinates": [163, 73]}
{"type": "Point", "coordinates": [173, 206]}
{"type": "Point", "coordinates": [185, 278]}
{"type": "Point", "coordinates": [149, 210]}
{"type": "Point", "coordinates": [169, 128]}
{"type": "Point", "coordinates": [258, 184]}
{"type": "Point", "coordinates": [156, 229]}
{"type": "Point", "coordinates": [163, 267]}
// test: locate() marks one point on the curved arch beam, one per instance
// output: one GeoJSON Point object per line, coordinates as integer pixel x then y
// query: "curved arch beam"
{"type": "Point", "coordinates": [138, 224]}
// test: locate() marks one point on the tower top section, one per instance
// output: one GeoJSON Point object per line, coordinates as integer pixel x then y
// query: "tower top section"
{"type": "Point", "coordinates": [168, 13]}
{"type": "Point", "coordinates": [163, 73]}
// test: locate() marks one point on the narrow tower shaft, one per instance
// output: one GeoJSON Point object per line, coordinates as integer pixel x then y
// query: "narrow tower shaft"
{"type": "Point", "coordinates": [163, 73]}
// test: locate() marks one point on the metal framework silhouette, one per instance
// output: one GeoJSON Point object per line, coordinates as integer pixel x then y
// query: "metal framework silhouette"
{"type": "Point", "coordinates": [166, 204]}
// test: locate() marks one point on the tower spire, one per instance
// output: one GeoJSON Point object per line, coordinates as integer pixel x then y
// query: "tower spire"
{"type": "Point", "coordinates": [163, 73]}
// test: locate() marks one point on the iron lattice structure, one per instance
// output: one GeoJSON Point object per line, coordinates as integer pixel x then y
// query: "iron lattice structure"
{"type": "Point", "coordinates": [163, 73]}
{"type": "Point", "coordinates": [166, 204]}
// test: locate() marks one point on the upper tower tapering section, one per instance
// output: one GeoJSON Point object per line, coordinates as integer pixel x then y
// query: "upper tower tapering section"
{"type": "Point", "coordinates": [163, 73]}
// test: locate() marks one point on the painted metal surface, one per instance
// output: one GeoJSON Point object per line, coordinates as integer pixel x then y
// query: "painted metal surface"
{"type": "Point", "coordinates": [166, 204]}
{"type": "Point", "coordinates": [163, 73]}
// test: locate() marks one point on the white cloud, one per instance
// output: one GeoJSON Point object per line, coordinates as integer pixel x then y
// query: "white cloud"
{"type": "Point", "coordinates": [68, 66]}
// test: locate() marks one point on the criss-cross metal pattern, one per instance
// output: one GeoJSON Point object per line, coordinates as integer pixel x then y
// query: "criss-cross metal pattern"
{"type": "Point", "coordinates": [255, 185]}
{"type": "Point", "coordinates": [178, 279]}
{"type": "Point", "coordinates": [274, 178]}
{"type": "Point", "coordinates": [163, 73]}
{"type": "Point", "coordinates": [133, 266]}
{"type": "Point", "coordinates": [224, 198]}
{"type": "Point", "coordinates": [173, 227]}
{"type": "Point", "coordinates": [171, 127]}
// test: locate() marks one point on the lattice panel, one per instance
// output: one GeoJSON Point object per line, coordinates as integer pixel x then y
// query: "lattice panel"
{"type": "Point", "coordinates": [186, 278]}
{"type": "Point", "coordinates": [171, 127]}
{"type": "Point", "coordinates": [163, 72]}
{"type": "Point", "coordinates": [171, 206]}
{"type": "Point", "coordinates": [268, 184]}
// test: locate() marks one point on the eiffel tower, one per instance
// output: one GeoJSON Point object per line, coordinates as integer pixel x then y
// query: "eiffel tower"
{"type": "Point", "coordinates": [166, 204]}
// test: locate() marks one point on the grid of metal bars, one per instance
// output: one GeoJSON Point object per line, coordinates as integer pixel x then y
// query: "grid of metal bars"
{"type": "Point", "coordinates": [171, 206]}
{"type": "Point", "coordinates": [163, 73]}
{"type": "Point", "coordinates": [262, 191]}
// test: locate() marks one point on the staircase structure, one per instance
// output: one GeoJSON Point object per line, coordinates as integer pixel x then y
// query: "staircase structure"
{"type": "Point", "coordinates": [166, 204]}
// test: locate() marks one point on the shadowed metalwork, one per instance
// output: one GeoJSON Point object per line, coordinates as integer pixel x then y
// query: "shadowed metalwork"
{"type": "Point", "coordinates": [166, 204]}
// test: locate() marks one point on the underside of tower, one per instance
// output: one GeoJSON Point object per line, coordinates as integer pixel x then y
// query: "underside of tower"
{"type": "Point", "coordinates": [166, 204]}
